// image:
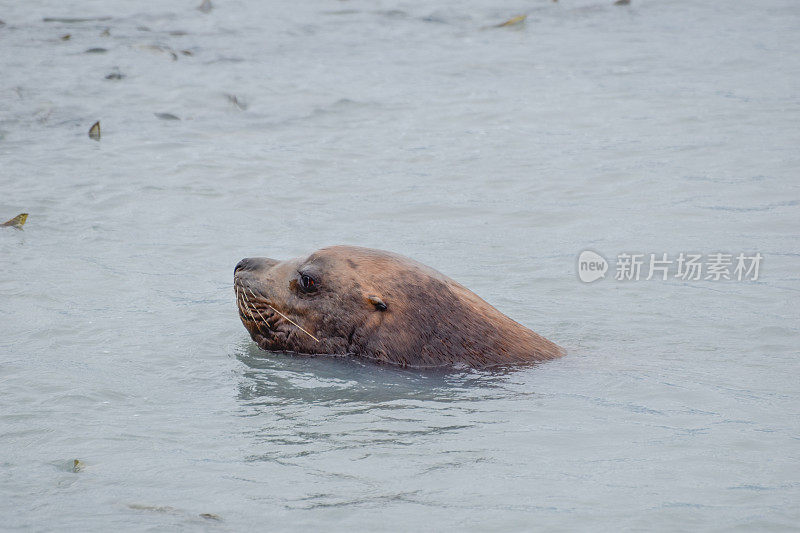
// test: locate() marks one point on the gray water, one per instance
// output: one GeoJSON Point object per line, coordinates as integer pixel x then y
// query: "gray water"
{"type": "Point", "coordinates": [495, 155]}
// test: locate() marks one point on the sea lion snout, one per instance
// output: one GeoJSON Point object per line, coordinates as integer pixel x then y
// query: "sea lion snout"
{"type": "Point", "coordinates": [254, 263]}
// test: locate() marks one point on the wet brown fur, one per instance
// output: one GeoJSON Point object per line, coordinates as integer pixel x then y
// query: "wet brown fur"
{"type": "Point", "coordinates": [429, 320]}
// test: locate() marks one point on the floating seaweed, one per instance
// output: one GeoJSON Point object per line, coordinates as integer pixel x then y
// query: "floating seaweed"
{"type": "Point", "coordinates": [94, 131]}
{"type": "Point", "coordinates": [232, 98]}
{"type": "Point", "coordinates": [622, 2]}
{"type": "Point", "coordinates": [69, 20]}
{"type": "Point", "coordinates": [17, 222]}
{"type": "Point", "coordinates": [96, 51]}
{"type": "Point", "coordinates": [160, 49]}
{"type": "Point", "coordinates": [516, 21]}
{"type": "Point", "coordinates": [210, 516]}
{"type": "Point", "coordinates": [153, 508]}
{"type": "Point", "coordinates": [166, 116]}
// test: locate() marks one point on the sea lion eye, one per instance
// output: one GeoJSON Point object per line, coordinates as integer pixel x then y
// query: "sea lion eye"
{"type": "Point", "coordinates": [307, 283]}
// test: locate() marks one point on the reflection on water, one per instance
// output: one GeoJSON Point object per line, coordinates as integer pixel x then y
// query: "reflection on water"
{"type": "Point", "coordinates": [320, 405]}
{"type": "Point", "coordinates": [276, 378]}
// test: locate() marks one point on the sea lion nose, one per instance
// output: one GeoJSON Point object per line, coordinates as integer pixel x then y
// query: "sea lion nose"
{"type": "Point", "coordinates": [244, 264]}
{"type": "Point", "coordinates": [254, 263]}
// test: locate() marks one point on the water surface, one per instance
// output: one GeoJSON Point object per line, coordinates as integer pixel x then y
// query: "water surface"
{"type": "Point", "coordinates": [494, 155]}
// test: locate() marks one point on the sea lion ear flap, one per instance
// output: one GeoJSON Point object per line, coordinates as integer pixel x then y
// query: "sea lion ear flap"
{"type": "Point", "coordinates": [377, 302]}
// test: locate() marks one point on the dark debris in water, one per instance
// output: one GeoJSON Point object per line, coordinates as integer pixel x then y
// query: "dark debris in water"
{"type": "Point", "coordinates": [206, 6]}
{"type": "Point", "coordinates": [69, 20]}
{"type": "Point", "coordinates": [394, 14]}
{"type": "Point", "coordinates": [166, 116]}
{"type": "Point", "coordinates": [168, 509]}
{"type": "Point", "coordinates": [160, 49]}
{"type": "Point", "coordinates": [97, 50]}
{"type": "Point", "coordinates": [232, 98]}
{"type": "Point", "coordinates": [153, 508]}
{"type": "Point", "coordinates": [115, 76]}
{"type": "Point", "coordinates": [17, 222]}
{"type": "Point", "coordinates": [94, 131]}
{"type": "Point", "coordinates": [342, 12]}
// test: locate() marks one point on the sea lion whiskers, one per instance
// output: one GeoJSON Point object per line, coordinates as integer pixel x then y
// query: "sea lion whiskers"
{"type": "Point", "coordinates": [257, 312]}
{"type": "Point", "coordinates": [247, 304]}
{"type": "Point", "coordinates": [244, 301]}
{"type": "Point", "coordinates": [284, 316]}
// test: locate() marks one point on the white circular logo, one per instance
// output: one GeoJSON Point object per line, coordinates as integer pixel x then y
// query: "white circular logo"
{"type": "Point", "coordinates": [591, 266]}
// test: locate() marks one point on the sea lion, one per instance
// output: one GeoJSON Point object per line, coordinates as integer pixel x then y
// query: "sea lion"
{"type": "Point", "coordinates": [372, 304]}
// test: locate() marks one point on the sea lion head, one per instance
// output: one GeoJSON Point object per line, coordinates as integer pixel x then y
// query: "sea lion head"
{"type": "Point", "coordinates": [360, 302]}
